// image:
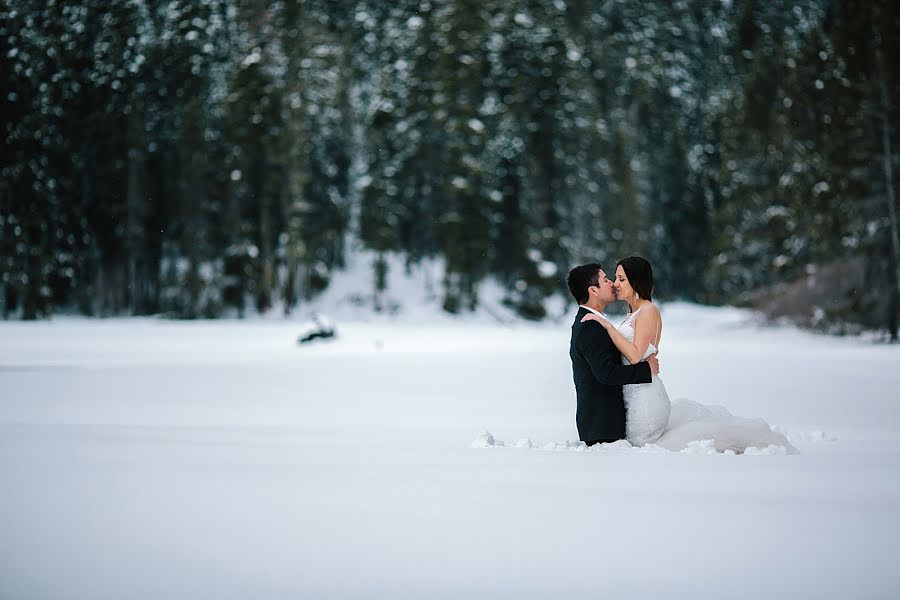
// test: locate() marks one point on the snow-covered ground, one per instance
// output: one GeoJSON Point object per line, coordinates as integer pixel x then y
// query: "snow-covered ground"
{"type": "Point", "coordinates": [143, 458]}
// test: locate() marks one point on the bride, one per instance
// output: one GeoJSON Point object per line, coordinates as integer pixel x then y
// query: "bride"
{"type": "Point", "coordinates": [647, 406]}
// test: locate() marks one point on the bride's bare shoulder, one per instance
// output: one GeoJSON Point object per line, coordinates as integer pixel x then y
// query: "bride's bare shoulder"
{"type": "Point", "coordinates": [650, 313]}
{"type": "Point", "coordinates": [650, 308]}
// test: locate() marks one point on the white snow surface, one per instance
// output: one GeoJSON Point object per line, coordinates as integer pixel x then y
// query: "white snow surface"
{"type": "Point", "coordinates": [144, 458]}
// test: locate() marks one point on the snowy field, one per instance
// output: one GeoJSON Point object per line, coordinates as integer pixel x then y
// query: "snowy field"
{"type": "Point", "coordinates": [143, 458]}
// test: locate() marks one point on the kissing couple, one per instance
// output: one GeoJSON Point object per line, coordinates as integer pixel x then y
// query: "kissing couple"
{"type": "Point", "coordinates": [619, 392]}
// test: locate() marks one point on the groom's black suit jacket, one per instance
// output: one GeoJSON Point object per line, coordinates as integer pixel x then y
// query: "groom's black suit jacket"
{"type": "Point", "coordinates": [599, 376]}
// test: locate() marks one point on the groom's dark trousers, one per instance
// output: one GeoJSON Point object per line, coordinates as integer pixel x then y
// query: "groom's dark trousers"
{"type": "Point", "coordinates": [599, 376]}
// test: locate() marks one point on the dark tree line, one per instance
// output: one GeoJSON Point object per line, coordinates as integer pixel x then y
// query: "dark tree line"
{"type": "Point", "coordinates": [201, 158]}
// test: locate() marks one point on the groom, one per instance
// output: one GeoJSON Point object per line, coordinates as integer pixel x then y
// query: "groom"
{"type": "Point", "coordinates": [597, 363]}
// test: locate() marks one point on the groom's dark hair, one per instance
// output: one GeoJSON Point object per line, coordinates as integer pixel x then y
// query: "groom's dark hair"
{"type": "Point", "coordinates": [581, 278]}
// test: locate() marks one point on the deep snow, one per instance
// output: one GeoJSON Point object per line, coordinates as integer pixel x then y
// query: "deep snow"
{"type": "Point", "coordinates": [142, 458]}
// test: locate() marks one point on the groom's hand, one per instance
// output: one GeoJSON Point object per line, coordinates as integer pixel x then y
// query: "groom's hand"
{"type": "Point", "coordinates": [654, 364]}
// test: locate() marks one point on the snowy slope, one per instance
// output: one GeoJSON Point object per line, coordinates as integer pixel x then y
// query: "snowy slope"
{"type": "Point", "coordinates": [414, 293]}
{"type": "Point", "coordinates": [142, 458]}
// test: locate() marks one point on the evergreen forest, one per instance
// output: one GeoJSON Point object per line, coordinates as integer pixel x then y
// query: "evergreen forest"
{"type": "Point", "coordinates": [207, 158]}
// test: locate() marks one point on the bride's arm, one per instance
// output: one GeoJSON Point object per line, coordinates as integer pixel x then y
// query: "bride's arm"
{"type": "Point", "coordinates": [643, 335]}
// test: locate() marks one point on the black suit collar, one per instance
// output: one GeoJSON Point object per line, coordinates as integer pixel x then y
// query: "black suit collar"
{"type": "Point", "coordinates": [580, 314]}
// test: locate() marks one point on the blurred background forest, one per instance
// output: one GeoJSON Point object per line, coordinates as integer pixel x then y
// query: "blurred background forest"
{"type": "Point", "coordinates": [201, 158]}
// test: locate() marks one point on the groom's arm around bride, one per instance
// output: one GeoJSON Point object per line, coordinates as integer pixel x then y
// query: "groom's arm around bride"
{"type": "Point", "coordinates": [605, 360]}
{"type": "Point", "coordinates": [599, 376]}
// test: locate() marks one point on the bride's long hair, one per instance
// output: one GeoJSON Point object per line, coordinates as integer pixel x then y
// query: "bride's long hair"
{"type": "Point", "coordinates": [640, 276]}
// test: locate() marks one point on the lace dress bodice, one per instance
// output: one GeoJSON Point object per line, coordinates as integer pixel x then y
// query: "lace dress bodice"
{"type": "Point", "coordinates": [627, 331]}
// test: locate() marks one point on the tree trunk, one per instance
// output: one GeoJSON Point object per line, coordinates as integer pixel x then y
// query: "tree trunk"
{"type": "Point", "coordinates": [135, 297]}
{"type": "Point", "coordinates": [267, 269]}
{"type": "Point", "coordinates": [888, 159]}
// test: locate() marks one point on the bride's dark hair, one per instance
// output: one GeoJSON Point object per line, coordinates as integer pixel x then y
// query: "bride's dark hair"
{"type": "Point", "coordinates": [640, 275]}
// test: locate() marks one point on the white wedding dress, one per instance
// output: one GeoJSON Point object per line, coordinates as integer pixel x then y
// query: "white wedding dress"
{"type": "Point", "coordinates": [646, 404]}
{"type": "Point", "coordinates": [651, 419]}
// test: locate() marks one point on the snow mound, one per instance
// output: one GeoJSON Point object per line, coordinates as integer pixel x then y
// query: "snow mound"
{"type": "Point", "coordinates": [709, 447]}
{"type": "Point", "coordinates": [566, 445]}
{"type": "Point", "coordinates": [486, 440]}
{"type": "Point", "coordinates": [701, 447]}
{"type": "Point", "coordinates": [816, 436]}
{"type": "Point", "coordinates": [767, 451]}
{"type": "Point", "coordinates": [617, 446]}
